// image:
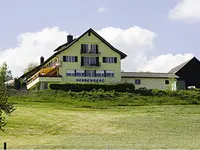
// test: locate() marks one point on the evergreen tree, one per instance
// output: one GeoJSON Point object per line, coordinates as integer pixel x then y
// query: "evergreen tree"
{"type": "Point", "coordinates": [5, 74]}
{"type": "Point", "coordinates": [5, 106]}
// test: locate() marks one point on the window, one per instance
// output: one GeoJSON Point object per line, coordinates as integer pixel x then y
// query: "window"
{"type": "Point", "coordinates": [80, 73]}
{"type": "Point", "coordinates": [109, 73]}
{"type": "Point", "coordinates": [166, 81]}
{"type": "Point", "coordinates": [70, 59]}
{"type": "Point", "coordinates": [70, 73]}
{"type": "Point", "coordinates": [84, 48]}
{"type": "Point", "coordinates": [90, 61]}
{"type": "Point", "coordinates": [90, 73]}
{"type": "Point", "coordinates": [109, 59]}
{"type": "Point", "coordinates": [100, 73]}
{"type": "Point", "coordinates": [137, 81]}
{"type": "Point", "coordinates": [94, 49]}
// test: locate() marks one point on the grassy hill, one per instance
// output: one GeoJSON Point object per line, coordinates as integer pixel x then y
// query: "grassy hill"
{"type": "Point", "coordinates": [91, 120]}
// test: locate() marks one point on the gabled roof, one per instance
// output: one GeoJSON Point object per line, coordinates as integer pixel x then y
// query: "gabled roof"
{"type": "Point", "coordinates": [68, 45]}
{"type": "Point", "coordinates": [147, 75]}
{"type": "Point", "coordinates": [123, 55]}
{"type": "Point", "coordinates": [65, 44]}
{"type": "Point", "coordinates": [179, 67]}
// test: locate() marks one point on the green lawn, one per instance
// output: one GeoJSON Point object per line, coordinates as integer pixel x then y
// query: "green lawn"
{"type": "Point", "coordinates": [56, 125]}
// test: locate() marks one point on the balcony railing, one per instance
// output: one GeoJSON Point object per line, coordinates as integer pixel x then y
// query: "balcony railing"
{"type": "Point", "coordinates": [40, 75]}
{"type": "Point", "coordinates": [45, 79]}
{"type": "Point", "coordinates": [91, 65]}
{"type": "Point", "coordinates": [54, 64]}
{"type": "Point", "coordinates": [92, 52]}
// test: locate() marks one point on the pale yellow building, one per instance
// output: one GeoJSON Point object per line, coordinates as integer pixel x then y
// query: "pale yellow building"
{"type": "Point", "coordinates": [150, 80]}
{"type": "Point", "coordinates": [91, 59]}
{"type": "Point", "coordinates": [86, 59]}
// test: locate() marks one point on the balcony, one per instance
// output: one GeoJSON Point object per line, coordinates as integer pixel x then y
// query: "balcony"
{"type": "Point", "coordinates": [44, 75]}
{"type": "Point", "coordinates": [90, 52]}
{"type": "Point", "coordinates": [54, 64]}
{"type": "Point", "coordinates": [91, 65]}
{"type": "Point", "coordinates": [43, 79]}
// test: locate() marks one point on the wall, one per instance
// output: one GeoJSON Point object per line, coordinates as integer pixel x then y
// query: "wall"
{"type": "Point", "coordinates": [75, 49]}
{"type": "Point", "coordinates": [152, 83]}
{"type": "Point", "coordinates": [190, 73]}
{"type": "Point", "coordinates": [43, 80]}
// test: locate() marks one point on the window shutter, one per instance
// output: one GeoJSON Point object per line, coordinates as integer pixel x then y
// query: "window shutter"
{"type": "Point", "coordinates": [97, 50]}
{"type": "Point", "coordinates": [91, 48]}
{"type": "Point", "coordinates": [104, 59]}
{"type": "Point", "coordinates": [104, 73]}
{"type": "Point", "coordinates": [97, 61]}
{"type": "Point", "coordinates": [64, 58]}
{"type": "Point", "coordinates": [76, 59]}
{"type": "Point", "coordinates": [85, 73]}
{"type": "Point", "coordinates": [95, 73]}
{"type": "Point", "coordinates": [75, 72]}
{"type": "Point", "coordinates": [115, 59]}
{"type": "Point", "coordinates": [82, 47]}
{"type": "Point", "coordinates": [82, 61]}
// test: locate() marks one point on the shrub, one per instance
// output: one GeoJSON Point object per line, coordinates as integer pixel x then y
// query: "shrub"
{"type": "Point", "coordinates": [77, 87]}
{"type": "Point", "coordinates": [17, 84]}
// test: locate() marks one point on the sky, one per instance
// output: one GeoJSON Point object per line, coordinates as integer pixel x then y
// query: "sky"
{"type": "Point", "coordinates": [156, 35]}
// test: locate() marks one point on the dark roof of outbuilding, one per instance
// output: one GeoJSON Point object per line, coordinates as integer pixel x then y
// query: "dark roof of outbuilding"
{"type": "Point", "coordinates": [179, 67]}
{"type": "Point", "coordinates": [147, 75]}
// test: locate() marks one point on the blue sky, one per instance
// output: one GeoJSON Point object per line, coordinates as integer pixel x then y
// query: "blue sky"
{"type": "Point", "coordinates": [174, 36]}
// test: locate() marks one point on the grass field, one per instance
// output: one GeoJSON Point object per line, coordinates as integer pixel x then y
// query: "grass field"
{"type": "Point", "coordinates": [57, 124]}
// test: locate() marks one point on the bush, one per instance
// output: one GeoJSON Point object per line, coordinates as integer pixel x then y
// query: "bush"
{"type": "Point", "coordinates": [17, 84]}
{"type": "Point", "coordinates": [182, 94]}
{"type": "Point", "coordinates": [76, 87]}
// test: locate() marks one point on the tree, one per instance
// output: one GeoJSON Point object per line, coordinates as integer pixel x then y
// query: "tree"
{"type": "Point", "coordinates": [30, 66]}
{"type": "Point", "coordinates": [5, 106]}
{"type": "Point", "coordinates": [5, 74]}
{"type": "Point", "coordinates": [17, 83]}
{"type": "Point", "coordinates": [172, 84]}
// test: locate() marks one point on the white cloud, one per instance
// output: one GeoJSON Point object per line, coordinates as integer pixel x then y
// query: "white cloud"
{"type": "Point", "coordinates": [31, 46]}
{"type": "Point", "coordinates": [102, 9]}
{"type": "Point", "coordinates": [136, 42]}
{"type": "Point", "coordinates": [165, 62]}
{"type": "Point", "coordinates": [186, 10]}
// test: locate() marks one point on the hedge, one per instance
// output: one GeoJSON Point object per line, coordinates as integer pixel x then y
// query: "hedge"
{"type": "Point", "coordinates": [182, 94]}
{"type": "Point", "coordinates": [77, 87]}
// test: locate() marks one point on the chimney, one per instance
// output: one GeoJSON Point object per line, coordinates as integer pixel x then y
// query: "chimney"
{"type": "Point", "coordinates": [41, 60]}
{"type": "Point", "coordinates": [69, 39]}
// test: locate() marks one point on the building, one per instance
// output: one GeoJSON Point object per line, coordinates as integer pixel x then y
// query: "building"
{"type": "Point", "coordinates": [150, 80]}
{"type": "Point", "coordinates": [88, 58]}
{"type": "Point", "coordinates": [91, 59]}
{"type": "Point", "coordinates": [188, 73]}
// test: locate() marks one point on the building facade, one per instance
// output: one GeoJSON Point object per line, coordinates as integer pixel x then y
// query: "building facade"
{"type": "Point", "coordinates": [91, 59]}
{"type": "Point", "coordinates": [189, 74]}
{"type": "Point", "coordinates": [87, 59]}
{"type": "Point", "coordinates": [149, 80]}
